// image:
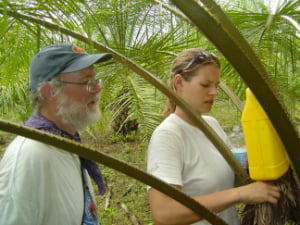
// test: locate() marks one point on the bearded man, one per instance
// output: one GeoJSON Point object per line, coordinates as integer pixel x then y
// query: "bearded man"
{"type": "Point", "coordinates": [39, 183]}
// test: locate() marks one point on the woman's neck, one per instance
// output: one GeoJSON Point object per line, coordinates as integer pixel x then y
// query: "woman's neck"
{"type": "Point", "coordinates": [179, 112]}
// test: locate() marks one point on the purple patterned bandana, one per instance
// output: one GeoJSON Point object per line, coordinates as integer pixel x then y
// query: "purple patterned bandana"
{"type": "Point", "coordinates": [39, 122]}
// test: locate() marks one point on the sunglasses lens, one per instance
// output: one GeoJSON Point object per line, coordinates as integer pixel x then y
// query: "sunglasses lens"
{"type": "Point", "coordinates": [199, 58]}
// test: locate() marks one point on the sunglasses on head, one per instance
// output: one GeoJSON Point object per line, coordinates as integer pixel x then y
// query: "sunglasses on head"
{"type": "Point", "coordinates": [199, 58]}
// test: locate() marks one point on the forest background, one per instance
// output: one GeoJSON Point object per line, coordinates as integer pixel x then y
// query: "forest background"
{"type": "Point", "coordinates": [150, 33]}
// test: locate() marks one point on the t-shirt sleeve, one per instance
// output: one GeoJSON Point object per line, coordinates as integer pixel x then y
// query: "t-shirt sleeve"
{"type": "Point", "coordinates": [165, 156]}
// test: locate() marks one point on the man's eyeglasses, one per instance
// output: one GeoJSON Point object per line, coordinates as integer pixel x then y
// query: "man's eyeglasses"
{"type": "Point", "coordinates": [200, 58]}
{"type": "Point", "coordinates": [90, 84]}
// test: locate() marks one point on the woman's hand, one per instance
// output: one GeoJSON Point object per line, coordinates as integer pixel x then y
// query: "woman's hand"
{"type": "Point", "coordinates": [258, 192]}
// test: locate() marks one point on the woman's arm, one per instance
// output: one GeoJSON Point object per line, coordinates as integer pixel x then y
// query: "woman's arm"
{"type": "Point", "coordinates": [167, 211]}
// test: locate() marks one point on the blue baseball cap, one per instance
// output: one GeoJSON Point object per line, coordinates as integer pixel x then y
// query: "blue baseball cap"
{"type": "Point", "coordinates": [60, 58]}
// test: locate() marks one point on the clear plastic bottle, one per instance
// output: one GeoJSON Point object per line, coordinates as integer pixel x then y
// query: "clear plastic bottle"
{"type": "Point", "coordinates": [238, 147]}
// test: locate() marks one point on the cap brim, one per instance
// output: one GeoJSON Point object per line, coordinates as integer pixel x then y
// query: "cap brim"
{"type": "Point", "coordinates": [86, 60]}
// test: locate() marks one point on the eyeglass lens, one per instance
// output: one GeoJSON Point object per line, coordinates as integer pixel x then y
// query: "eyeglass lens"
{"type": "Point", "coordinates": [92, 84]}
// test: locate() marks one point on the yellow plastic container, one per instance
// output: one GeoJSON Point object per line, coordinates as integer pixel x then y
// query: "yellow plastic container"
{"type": "Point", "coordinates": [267, 158]}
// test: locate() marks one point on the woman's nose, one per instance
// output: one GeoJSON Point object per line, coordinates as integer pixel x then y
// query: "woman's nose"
{"type": "Point", "coordinates": [213, 91]}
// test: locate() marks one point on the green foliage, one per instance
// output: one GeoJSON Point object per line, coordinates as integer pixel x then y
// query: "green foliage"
{"type": "Point", "coordinates": [150, 35]}
{"type": "Point", "coordinates": [272, 36]}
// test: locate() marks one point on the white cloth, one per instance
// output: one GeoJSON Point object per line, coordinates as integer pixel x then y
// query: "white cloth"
{"type": "Point", "coordinates": [40, 185]}
{"type": "Point", "coordinates": [181, 154]}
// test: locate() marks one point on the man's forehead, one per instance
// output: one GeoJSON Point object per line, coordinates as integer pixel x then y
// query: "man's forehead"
{"type": "Point", "coordinates": [81, 74]}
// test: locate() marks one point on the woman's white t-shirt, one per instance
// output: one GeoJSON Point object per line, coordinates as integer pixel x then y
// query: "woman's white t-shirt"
{"type": "Point", "coordinates": [181, 154]}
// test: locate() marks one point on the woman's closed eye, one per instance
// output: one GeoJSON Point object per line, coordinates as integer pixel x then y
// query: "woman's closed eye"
{"type": "Point", "coordinates": [210, 85]}
{"type": "Point", "coordinates": [205, 85]}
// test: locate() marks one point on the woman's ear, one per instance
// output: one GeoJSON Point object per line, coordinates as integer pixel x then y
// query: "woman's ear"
{"type": "Point", "coordinates": [178, 82]}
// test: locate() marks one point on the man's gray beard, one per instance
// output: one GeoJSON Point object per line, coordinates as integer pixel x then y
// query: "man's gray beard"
{"type": "Point", "coordinates": [76, 115]}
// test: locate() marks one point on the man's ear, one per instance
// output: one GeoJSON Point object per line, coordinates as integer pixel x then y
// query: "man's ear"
{"type": "Point", "coordinates": [46, 90]}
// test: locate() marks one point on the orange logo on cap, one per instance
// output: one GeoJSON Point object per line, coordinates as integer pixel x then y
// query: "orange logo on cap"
{"type": "Point", "coordinates": [78, 49]}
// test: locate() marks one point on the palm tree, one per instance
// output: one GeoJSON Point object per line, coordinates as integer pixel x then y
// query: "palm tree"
{"type": "Point", "coordinates": [141, 35]}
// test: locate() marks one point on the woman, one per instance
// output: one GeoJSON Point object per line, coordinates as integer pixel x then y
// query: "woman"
{"type": "Point", "coordinates": [180, 154]}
